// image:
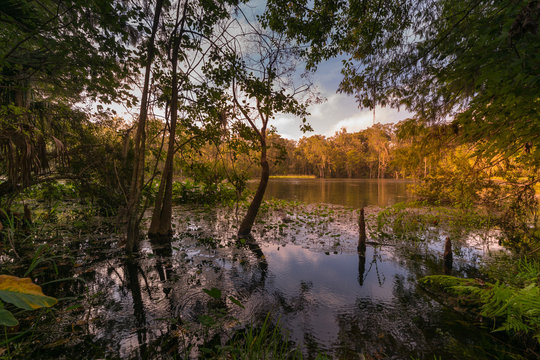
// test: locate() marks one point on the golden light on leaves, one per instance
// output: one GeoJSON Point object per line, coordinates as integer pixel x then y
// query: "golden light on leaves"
{"type": "Point", "coordinates": [23, 293]}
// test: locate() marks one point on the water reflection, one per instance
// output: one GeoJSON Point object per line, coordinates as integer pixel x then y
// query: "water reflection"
{"type": "Point", "coordinates": [349, 192]}
{"type": "Point", "coordinates": [361, 267]}
{"type": "Point", "coordinates": [352, 306]}
{"type": "Point", "coordinates": [306, 271]}
{"type": "Point", "coordinates": [132, 272]}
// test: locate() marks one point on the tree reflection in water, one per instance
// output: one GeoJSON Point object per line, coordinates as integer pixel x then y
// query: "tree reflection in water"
{"type": "Point", "coordinates": [132, 272]}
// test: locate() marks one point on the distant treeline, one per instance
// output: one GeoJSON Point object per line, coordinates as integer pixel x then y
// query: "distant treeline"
{"type": "Point", "coordinates": [370, 153]}
{"type": "Point", "coordinates": [410, 149]}
{"type": "Point", "coordinates": [380, 151]}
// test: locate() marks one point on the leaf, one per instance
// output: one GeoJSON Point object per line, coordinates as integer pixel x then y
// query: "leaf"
{"type": "Point", "coordinates": [236, 301]}
{"type": "Point", "coordinates": [214, 293]}
{"type": "Point", "coordinates": [24, 294]}
{"type": "Point", "coordinates": [7, 318]}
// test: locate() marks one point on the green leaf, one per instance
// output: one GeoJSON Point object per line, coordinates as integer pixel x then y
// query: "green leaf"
{"type": "Point", "coordinates": [214, 293]}
{"type": "Point", "coordinates": [7, 318]}
{"type": "Point", "coordinates": [24, 294]}
{"type": "Point", "coordinates": [235, 301]}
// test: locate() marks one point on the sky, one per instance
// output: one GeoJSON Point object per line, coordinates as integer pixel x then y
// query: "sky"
{"type": "Point", "coordinates": [337, 111]}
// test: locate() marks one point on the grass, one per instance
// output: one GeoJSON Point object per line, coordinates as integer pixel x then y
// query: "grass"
{"type": "Point", "coordinates": [263, 342]}
{"type": "Point", "coordinates": [293, 177]}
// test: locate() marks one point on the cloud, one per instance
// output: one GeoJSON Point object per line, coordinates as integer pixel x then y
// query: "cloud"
{"type": "Point", "coordinates": [338, 111]}
{"type": "Point", "coordinates": [364, 119]}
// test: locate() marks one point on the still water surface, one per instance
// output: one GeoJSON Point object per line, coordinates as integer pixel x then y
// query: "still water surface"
{"type": "Point", "coordinates": [346, 192]}
{"type": "Point", "coordinates": [305, 272]}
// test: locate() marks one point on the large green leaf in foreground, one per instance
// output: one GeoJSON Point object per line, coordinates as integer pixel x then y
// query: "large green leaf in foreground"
{"type": "Point", "coordinates": [22, 293]}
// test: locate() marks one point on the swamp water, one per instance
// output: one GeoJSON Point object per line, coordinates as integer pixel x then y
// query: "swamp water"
{"type": "Point", "coordinates": [304, 271]}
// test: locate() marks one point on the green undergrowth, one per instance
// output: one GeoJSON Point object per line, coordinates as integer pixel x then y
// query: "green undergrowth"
{"type": "Point", "coordinates": [186, 192]}
{"type": "Point", "coordinates": [193, 192]}
{"type": "Point", "coordinates": [266, 341]}
{"type": "Point", "coordinates": [510, 297]}
{"type": "Point", "coordinates": [410, 221]}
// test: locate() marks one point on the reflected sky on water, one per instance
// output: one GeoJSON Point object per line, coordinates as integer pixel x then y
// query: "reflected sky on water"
{"type": "Point", "coordinates": [304, 270]}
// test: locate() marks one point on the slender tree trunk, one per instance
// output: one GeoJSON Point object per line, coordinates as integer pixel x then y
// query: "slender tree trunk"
{"type": "Point", "coordinates": [161, 217]}
{"type": "Point", "coordinates": [137, 176]}
{"type": "Point", "coordinates": [249, 219]}
{"type": "Point", "coordinates": [379, 167]}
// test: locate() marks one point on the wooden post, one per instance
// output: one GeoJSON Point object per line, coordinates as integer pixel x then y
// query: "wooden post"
{"type": "Point", "coordinates": [362, 232]}
{"type": "Point", "coordinates": [448, 259]}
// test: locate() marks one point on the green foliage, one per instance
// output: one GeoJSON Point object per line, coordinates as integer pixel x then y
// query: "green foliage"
{"type": "Point", "coordinates": [476, 62]}
{"type": "Point", "coordinates": [188, 192]}
{"type": "Point", "coordinates": [213, 293]}
{"type": "Point", "coordinates": [456, 180]}
{"type": "Point", "coordinates": [23, 294]}
{"type": "Point", "coordinates": [7, 318]}
{"type": "Point", "coordinates": [266, 341]}
{"type": "Point", "coordinates": [52, 192]}
{"type": "Point", "coordinates": [415, 221]}
{"type": "Point", "coordinates": [513, 306]}
{"type": "Point", "coordinates": [399, 222]}
{"type": "Point", "coordinates": [520, 220]}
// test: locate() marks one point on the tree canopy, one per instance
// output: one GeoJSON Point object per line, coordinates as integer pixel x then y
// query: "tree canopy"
{"type": "Point", "coordinates": [476, 63]}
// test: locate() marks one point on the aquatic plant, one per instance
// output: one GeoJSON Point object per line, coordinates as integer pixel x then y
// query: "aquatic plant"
{"type": "Point", "coordinates": [266, 341]}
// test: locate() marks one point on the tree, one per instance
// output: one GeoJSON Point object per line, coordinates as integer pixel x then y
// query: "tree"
{"type": "Point", "coordinates": [137, 176]}
{"type": "Point", "coordinates": [190, 39]}
{"type": "Point", "coordinates": [259, 74]}
{"type": "Point", "coordinates": [348, 153]}
{"type": "Point", "coordinates": [316, 151]}
{"type": "Point", "coordinates": [476, 63]}
{"type": "Point", "coordinates": [378, 140]}
{"type": "Point", "coordinates": [52, 53]}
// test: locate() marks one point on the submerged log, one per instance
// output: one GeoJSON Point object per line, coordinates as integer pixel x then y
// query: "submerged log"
{"type": "Point", "coordinates": [448, 258]}
{"type": "Point", "coordinates": [362, 232]}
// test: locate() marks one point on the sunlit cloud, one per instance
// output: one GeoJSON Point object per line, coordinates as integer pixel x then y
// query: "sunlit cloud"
{"type": "Point", "coordinates": [364, 119]}
{"type": "Point", "coordinates": [337, 111]}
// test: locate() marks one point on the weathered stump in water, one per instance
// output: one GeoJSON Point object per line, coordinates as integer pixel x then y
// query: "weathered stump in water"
{"type": "Point", "coordinates": [362, 232]}
{"type": "Point", "coordinates": [448, 258]}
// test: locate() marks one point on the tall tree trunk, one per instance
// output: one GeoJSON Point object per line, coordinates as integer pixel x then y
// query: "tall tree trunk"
{"type": "Point", "coordinates": [161, 217]}
{"type": "Point", "coordinates": [249, 219]}
{"type": "Point", "coordinates": [137, 176]}
{"type": "Point", "coordinates": [379, 167]}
